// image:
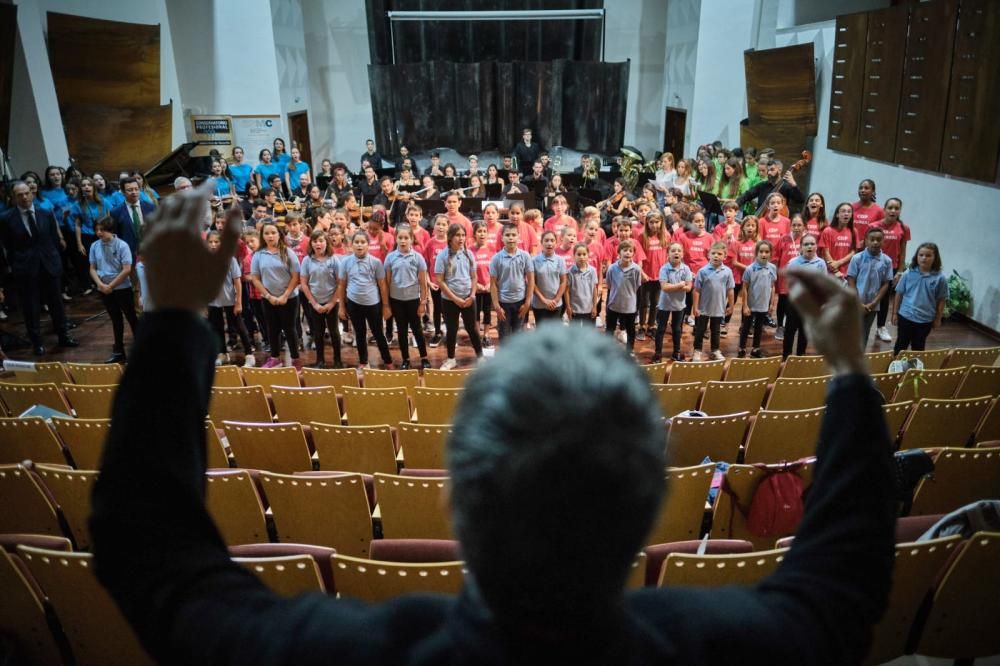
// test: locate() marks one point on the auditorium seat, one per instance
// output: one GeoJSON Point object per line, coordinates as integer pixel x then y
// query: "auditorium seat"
{"type": "Point", "coordinates": [232, 500]}
{"type": "Point", "coordinates": [320, 555]}
{"type": "Point", "coordinates": [35, 511]}
{"type": "Point", "coordinates": [91, 402]}
{"type": "Point", "coordinates": [422, 445]}
{"type": "Point", "coordinates": [983, 356]}
{"type": "Point", "coordinates": [656, 372]}
{"type": "Point", "coordinates": [375, 406]}
{"type": "Point", "coordinates": [71, 489]}
{"type": "Point", "coordinates": [415, 550]}
{"type": "Point", "coordinates": [676, 398]}
{"type": "Point", "coordinates": [795, 393]}
{"type": "Point", "coordinates": [682, 510]}
{"type": "Point", "coordinates": [216, 450]}
{"type": "Point", "coordinates": [446, 378]}
{"type": "Point", "coordinates": [743, 369]}
{"type": "Point", "coordinates": [731, 397]}
{"type": "Point", "coordinates": [886, 383]}
{"type": "Point", "coordinates": [979, 380]}
{"type": "Point", "coordinates": [800, 367]}
{"type": "Point", "coordinates": [275, 447]}
{"type": "Point", "coordinates": [656, 554]}
{"type": "Point", "coordinates": [375, 581]}
{"type": "Point", "coordinates": [933, 359]}
{"type": "Point", "coordinates": [783, 436]}
{"type": "Point", "coordinates": [434, 405]}
{"type": "Point", "coordinates": [895, 415]}
{"type": "Point", "coordinates": [691, 439]}
{"type": "Point", "coordinates": [45, 372]}
{"type": "Point", "coordinates": [246, 404]}
{"type": "Point", "coordinates": [337, 378]}
{"type": "Point", "coordinates": [95, 374]}
{"type": "Point", "coordinates": [683, 569]}
{"type": "Point", "coordinates": [384, 379]}
{"type": "Point", "coordinates": [18, 398]}
{"type": "Point", "coordinates": [933, 423]}
{"type": "Point", "coordinates": [227, 376]}
{"type": "Point", "coordinates": [878, 362]}
{"type": "Point", "coordinates": [84, 439]}
{"type": "Point", "coordinates": [412, 508]}
{"type": "Point", "coordinates": [916, 384]}
{"type": "Point", "coordinates": [23, 619]}
{"type": "Point", "coordinates": [285, 575]}
{"type": "Point", "coordinates": [702, 372]}
{"type": "Point", "coordinates": [988, 429]}
{"type": "Point", "coordinates": [29, 438]}
{"type": "Point", "coordinates": [317, 403]}
{"type": "Point", "coordinates": [960, 476]}
{"type": "Point", "coordinates": [363, 449]}
{"type": "Point", "coordinates": [268, 377]}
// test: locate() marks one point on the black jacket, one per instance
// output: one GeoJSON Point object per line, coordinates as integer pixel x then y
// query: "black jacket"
{"type": "Point", "coordinates": [28, 256]}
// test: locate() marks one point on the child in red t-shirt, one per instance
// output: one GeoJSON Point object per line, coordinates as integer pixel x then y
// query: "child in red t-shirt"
{"type": "Point", "coordinates": [787, 249]}
{"type": "Point", "coordinates": [437, 243]}
{"type": "Point", "coordinates": [838, 242]}
{"type": "Point", "coordinates": [866, 211]}
{"type": "Point", "coordinates": [483, 251]}
{"type": "Point", "coordinates": [740, 254]}
{"type": "Point", "coordinates": [895, 237]}
{"type": "Point", "coordinates": [655, 245]}
{"type": "Point", "coordinates": [773, 225]}
{"type": "Point", "coordinates": [564, 249]}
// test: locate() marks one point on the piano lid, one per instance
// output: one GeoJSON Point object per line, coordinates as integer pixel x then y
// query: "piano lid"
{"type": "Point", "coordinates": [180, 162]}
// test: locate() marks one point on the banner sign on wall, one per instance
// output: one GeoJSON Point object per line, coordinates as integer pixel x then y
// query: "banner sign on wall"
{"type": "Point", "coordinates": [214, 133]}
{"type": "Point", "coordinates": [254, 133]}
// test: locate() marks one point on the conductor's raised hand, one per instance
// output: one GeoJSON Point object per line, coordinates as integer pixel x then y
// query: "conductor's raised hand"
{"type": "Point", "coordinates": [182, 273]}
{"type": "Point", "coordinates": [831, 317]}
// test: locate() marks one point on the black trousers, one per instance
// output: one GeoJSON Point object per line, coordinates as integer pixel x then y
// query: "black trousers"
{"type": "Point", "coordinates": [80, 262]}
{"type": "Point", "coordinates": [257, 307]}
{"type": "Point", "coordinates": [676, 318]}
{"type": "Point", "coordinates": [780, 311]}
{"type": "Point", "coordinates": [793, 326]}
{"type": "Point", "coordinates": [736, 298]}
{"type": "Point", "coordinates": [582, 320]}
{"type": "Point", "coordinates": [318, 324]}
{"type": "Point", "coordinates": [451, 314]}
{"type": "Point", "coordinates": [544, 314]}
{"type": "Point", "coordinates": [364, 317]}
{"type": "Point", "coordinates": [702, 322]}
{"type": "Point", "coordinates": [436, 301]}
{"type": "Point", "coordinates": [31, 293]}
{"type": "Point", "coordinates": [224, 319]}
{"type": "Point", "coordinates": [911, 334]}
{"type": "Point", "coordinates": [757, 321]}
{"type": "Point", "coordinates": [120, 305]}
{"type": "Point", "coordinates": [884, 305]}
{"type": "Point", "coordinates": [627, 320]}
{"type": "Point", "coordinates": [281, 319]}
{"type": "Point", "coordinates": [512, 323]}
{"type": "Point", "coordinates": [649, 297]}
{"type": "Point", "coordinates": [405, 314]}
{"type": "Point", "coordinates": [484, 306]}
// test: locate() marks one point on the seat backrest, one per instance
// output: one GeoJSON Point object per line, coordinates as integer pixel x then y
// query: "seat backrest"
{"type": "Point", "coordinates": [790, 393]}
{"type": "Point", "coordinates": [914, 571]}
{"type": "Point", "coordinates": [657, 553]}
{"type": "Point", "coordinates": [682, 512]}
{"type": "Point", "coordinates": [232, 500]}
{"type": "Point", "coordinates": [96, 631]}
{"type": "Point", "coordinates": [985, 356]}
{"type": "Point", "coordinates": [690, 439]}
{"type": "Point", "coordinates": [367, 406]}
{"type": "Point", "coordinates": [29, 438]}
{"type": "Point", "coordinates": [878, 362]}
{"type": "Point", "coordinates": [335, 377]}
{"type": "Point", "coordinates": [18, 398]}
{"type": "Point", "coordinates": [961, 623]}
{"type": "Point", "coordinates": [246, 404]}
{"type": "Point", "coordinates": [435, 405]}
{"type": "Point", "coordinates": [303, 405]}
{"type": "Point", "coordinates": [942, 422]}
{"type": "Point", "coordinates": [268, 377]}
{"type": "Point", "coordinates": [217, 452]}
{"type": "Point", "coordinates": [363, 449]}
{"type": "Point", "coordinates": [780, 436]}
{"type": "Point", "coordinates": [886, 383]}
{"type": "Point", "coordinates": [656, 372]}
{"type": "Point", "coordinates": [287, 576]}
{"type": "Point", "coordinates": [933, 359]}
{"type": "Point", "coordinates": [22, 615]}
{"type": "Point", "coordinates": [979, 380]}
{"type": "Point", "coordinates": [728, 521]}
{"type": "Point", "coordinates": [27, 506]}
{"type": "Point", "coordinates": [91, 402]}
{"type": "Point", "coordinates": [446, 378]}
{"type": "Point", "coordinates": [961, 476]}
{"type": "Point", "coordinates": [798, 367]}
{"type": "Point", "coordinates": [687, 372]}
{"type": "Point", "coordinates": [275, 447]}
{"type": "Point", "coordinates": [320, 556]}
{"type": "Point", "coordinates": [84, 438]}
{"type": "Point", "coordinates": [383, 379]}
{"type": "Point", "coordinates": [375, 581]}
{"type": "Point", "coordinates": [422, 445]}
{"type": "Point", "coordinates": [676, 398]}
{"type": "Point", "coordinates": [415, 550]}
{"type": "Point", "coordinates": [743, 369]}
{"type": "Point", "coordinates": [731, 397]}
{"type": "Point", "coordinates": [411, 507]}
{"type": "Point", "coordinates": [895, 415]}
{"type": "Point", "coordinates": [71, 490]}
{"type": "Point", "coordinates": [988, 429]}
{"type": "Point", "coordinates": [95, 374]}
{"type": "Point", "coordinates": [329, 510]}
{"type": "Point", "coordinates": [45, 372]}
{"type": "Point", "coordinates": [916, 384]}
{"type": "Point", "coordinates": [227, 376]}
{"type": "Point", "coordinates": [719, 570]}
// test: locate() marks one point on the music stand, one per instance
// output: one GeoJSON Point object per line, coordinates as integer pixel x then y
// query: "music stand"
{"type": "Point", "coordinates": [445, 184]}
{"type": "Point", "coordinates": [710, 202]}
{"type": "Point", "coordinates": [471, 205]}
{"type": "Point", "coordinates": [572, 181]}
{"type": "Point", "coordinates": [528, 198]}
{"type": "Point", "coordinates": [494, 191]}
{"type": "Point", "coordinates": [431, 207]}
{"type": "Point", "coordinates": [537, 187]}
{"type": "Point", "coordinates": [591, 195]}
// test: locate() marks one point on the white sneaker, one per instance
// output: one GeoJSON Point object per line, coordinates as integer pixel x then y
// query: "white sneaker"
{"type": "Point", "coordinates": [717, 356]}
{"type": "Point", "coordinates": [697, 356]}
{"type": "Point", "coordinates": [3, 316]}
{"type": "Point", "coordinates": [622, 337]}
{"type": "Point", "coordinates": [779, 333]}
{"type": "Point", "coordinates": [883, 334]}
{"type": "Point", "coordinates": [249, 361]}
{"type": "Point", "coordinates": [598, 322]}
{"type": "Point", "coordinates": [690, 321]}
{"type": "Point", "coordinates": [449, 364]}
{"type": "Point", "coordinates": [347, 338]}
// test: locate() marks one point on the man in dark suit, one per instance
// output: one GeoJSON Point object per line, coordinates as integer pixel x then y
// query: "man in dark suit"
{"type": "Point", "coordinates": [130, 216]}
{"type": "Point", "coordinates": [526, 152]}
{"type": "Point", "coordinates": [30, 236]}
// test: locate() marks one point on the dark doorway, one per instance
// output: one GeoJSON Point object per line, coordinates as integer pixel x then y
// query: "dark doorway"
{"type": "Point", "coordinates": [673, 131]}
{"type": "Point", "coordinates": [298, 129]}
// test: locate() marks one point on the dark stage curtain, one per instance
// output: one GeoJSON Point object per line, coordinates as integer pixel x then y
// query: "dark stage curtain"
{"type": "Point", "coordinates": [470, 41]}
{"type": "Point", "coordinates": [483, 105]}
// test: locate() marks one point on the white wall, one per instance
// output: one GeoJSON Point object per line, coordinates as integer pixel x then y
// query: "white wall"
{"type": "Point", "coordinates": [681, 57]}
{"type": "Point", "coordinates": [290, 59]}
{"type": "Point", "coordinates": [955, 214]}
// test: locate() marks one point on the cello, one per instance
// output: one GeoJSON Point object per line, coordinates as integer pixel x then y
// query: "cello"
{"type": "Point", "coordinates": [805, 159]}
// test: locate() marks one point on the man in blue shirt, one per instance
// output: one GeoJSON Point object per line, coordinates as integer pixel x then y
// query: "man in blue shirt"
{"type": "Point", "coordinates": [870, 273]}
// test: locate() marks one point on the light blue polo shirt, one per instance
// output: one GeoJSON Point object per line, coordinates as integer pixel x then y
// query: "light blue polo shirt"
{"type": "Point", "coordinates": [510, 271]}
{"type": "Point", "coordinates": [758, 281]}
{"type": "Point", "coordinates": [240, 174]}
{"type": "Point", "coordinates": [548, 273]}
{"type": "Point", "coordinates": [227, 295]}
{"type": "Point", "coordinates": [321, 276]}
{"type": "Point", "coordinates": [295, 170]}
{"type": "Point", "coordinates": [266, 171]}
{"type": "Point", "coordinates": [109, 258]}
{"type": "Point", "coordinates": [362, 276]}
{"type": "Point", "coordinates": [623, 286]}
{"type": "Point", "coordinates": [273, 272]}
{"type": "Point", "coordinates": [675, 300]}
{"type": "Point", "coordinates": [457, 270]}
{"type": "Point", "coordinates": [920, 293]}
{"type": "Point", "coordinates": [581, 285]}
{"type": "Point", "coordinates": [816, 264]}
{"type": "Point", "coordinates": [404, 270]}
{"type": "Point", "coordinates": [870, 272]}
{"type": "Point", "coordinates": [713, 285]}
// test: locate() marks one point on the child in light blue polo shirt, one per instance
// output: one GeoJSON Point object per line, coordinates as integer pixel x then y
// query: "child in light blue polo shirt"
{"type": "Point", "coordinates": [676, 281]}
{"type": "Point", "coordinates": [759, 297]}
{"type": "Point", "coordinates": [110, 269]}
{"type": "Point", "coordinates": [624, 281]}
{"type": "Point", "coordinates": [512, 276]}
{"type": "Point", "coordinates": [712, 300]}
{"type": "Point", "coordinates": [870, 273]}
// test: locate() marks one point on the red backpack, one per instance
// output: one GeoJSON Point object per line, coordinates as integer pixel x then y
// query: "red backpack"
{"type": "Point", "coordinates": [776, 507]}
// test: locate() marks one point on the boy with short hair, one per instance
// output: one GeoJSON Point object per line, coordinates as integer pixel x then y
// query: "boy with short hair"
{"type": "Point", "coordinates": [110, 268]}
{"type": "Point", "coordinates": [712, 300]}
{"type": "Point", "coordinates": [870, 273]}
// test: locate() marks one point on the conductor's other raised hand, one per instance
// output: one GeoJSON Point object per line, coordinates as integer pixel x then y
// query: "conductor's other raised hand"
{"type": "Point", "coordinates": [182, 273]}
{"type": "Point", "coordinates": [831, 317]}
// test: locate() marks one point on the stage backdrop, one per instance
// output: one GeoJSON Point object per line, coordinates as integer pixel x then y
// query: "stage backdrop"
{"type": "Point", "coordinates": [483, 105]}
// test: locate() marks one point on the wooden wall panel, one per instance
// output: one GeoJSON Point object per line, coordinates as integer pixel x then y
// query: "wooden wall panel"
{"type": "Point", "coordinates": [886, 45]}
{"type": "Point", "coordinates": [971, 144]}
{"type": "Point", "coordinates": [8, 39]}
{"type": "Point", "coordinates": [781, 86]}
{"type": "Point", "coordinates": [113, 139]}
{"type": "Point", "coordinates": [926, 76]}
{"type": "Point", "coordinates": [104, 62]}
{"type": "Point", "coordinates": [847, 87]}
